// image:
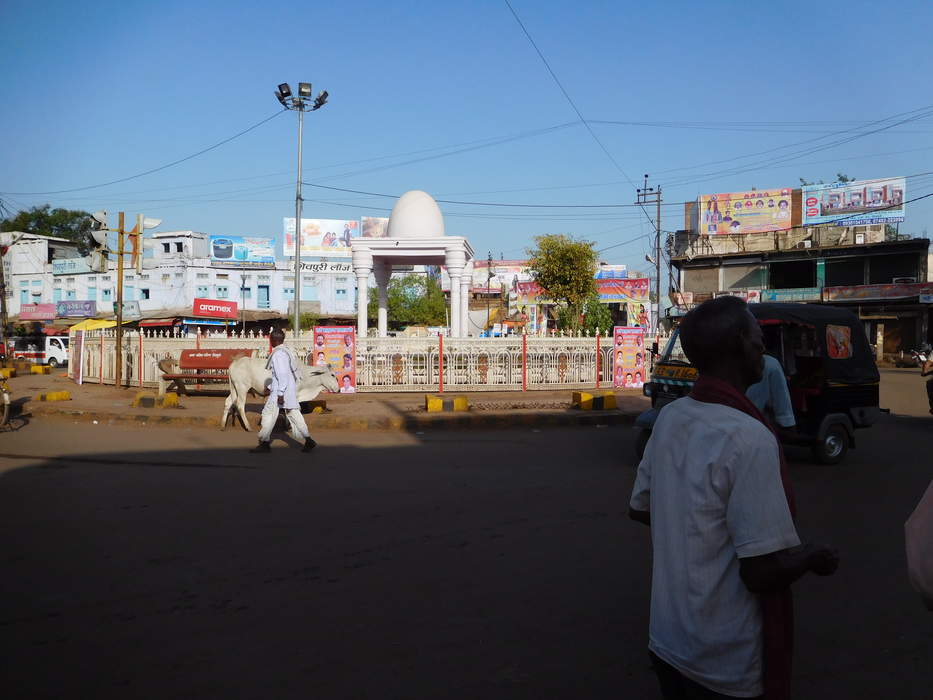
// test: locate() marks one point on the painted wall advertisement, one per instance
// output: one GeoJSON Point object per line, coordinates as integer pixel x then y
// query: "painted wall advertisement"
{"type": "Point", "coordinates": [330, 237]}
{"type": "Point", "coordinates": [628, 357]}
{"type": "Point", "coordinates": [336, 346]}
{"type": "Point", "coordinates": [855, 203]}
{"type": "Point", "coordinates": [755, 211]}
{"type": "Point", "coordinates": [242, 251]}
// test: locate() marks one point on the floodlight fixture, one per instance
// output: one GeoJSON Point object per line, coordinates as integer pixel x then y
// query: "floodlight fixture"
{"type": "Point", "coordinates": [278, 96]}
{"type": "Point", "coordinates": [320, 100]}
{"type": "Point", "coordinates": [304, 89]}
{"type": "Point", "coordinates": [285, 90]}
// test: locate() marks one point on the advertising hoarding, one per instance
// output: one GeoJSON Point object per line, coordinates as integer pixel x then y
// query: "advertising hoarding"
{"type": "Point", "coordinates": [622, 290]}
{"type": "Point", "coordinates": [336, 346]}
{"type": "Point", "coordinates": [855, 203]}
{"type": "Point", "coordinates": [375, 227]}
{"type": "Point", "coordinates": [330, 237]}
{"type": "Point", "coordinates": [75, 309]}
{"type": "Point", "coordinates": [628, 357]}
{"type": "Point", "coordinates": [214, 308]}
{"type": "Point", "coordinates": [37, 312]}
{"type": "Point", "coordinates": [755, 211]}
{"type": "Point", "coordinates": [242, 251]}
{"type": "Point", "coordinates": [787, 295]}
{"type": "Point", "coordinates": [871, 292]}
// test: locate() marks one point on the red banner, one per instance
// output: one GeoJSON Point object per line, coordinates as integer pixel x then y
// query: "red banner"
{"type": "Point", "coordinates": [214, 308]}
{"type": "Point", "coordinates": [36, 312]}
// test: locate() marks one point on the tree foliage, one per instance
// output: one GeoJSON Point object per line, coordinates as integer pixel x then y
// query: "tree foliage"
{"type": "Point", "coordinates": [413, 300]}
{"type": "Point", "coordinates": [596, 315]}
{"type": "Point", "coordinates": [564, 267]}
{"type": "Point", "coordinates": [840, 177]}
{"type": "Point", "coordinates": [73, 224]}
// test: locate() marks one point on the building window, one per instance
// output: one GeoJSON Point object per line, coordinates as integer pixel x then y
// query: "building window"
{"type": "Point", "coordinates": [179, 247]}
{"type": "Point", "coordinates": [222, 277]}
{"type": "Point", "coordinates": [92, 293]}
{"type": "Point", "coordinates": [37, 283]}
{"type": "Point", "coordinates": [179, 275]}
{"type": "Point", "coordinates": [341, 279]}
{"type": "Point", "coordinates": [247, 292]}
{"type": "Point", "coordinates": [202, 291]}
{"type": "Point", "coordinates": [264, 278]}
{"type": "Point", "coordinates": [341, 292]}
{"type": "Point", "coordinates": [221, 292]}
{"type": "Point", "coordinates": [24, 296]}
{"type": "Point", "coordinates": [202, 275]}
{"type": "Point", "coordinates": [143, 293]}
{"type": "Point", "coordinates": [106, 294]}
{"type": "Point", "coordinates": [57, 295]}
{"type": "Point", "coordinates": [105, 278]}
{"type": "Point", "coordinates": [166, 279]}
{"type": "Point", "coordinates": [92, 279]}
{"type": "Point", "coordinates": [166, 247]}
{"type": "Point", "coordinates": [144, 277]}
{"type": "Point", "coordinates": [288, 292]}
{"type": "Point", "coordinates": [24, 283]}
{"type": "Point", "coordinates": [129, 293]}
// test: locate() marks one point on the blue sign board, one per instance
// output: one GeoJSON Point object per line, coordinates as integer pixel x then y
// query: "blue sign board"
{"type": "Point", "coordinates": [75, 309]}
{"type": "Point", "coordinates": [242, 251]}
{"type": "Point", "coordinates": [786, 295]}
{"type": "Point", "coordinates": [70, 266]}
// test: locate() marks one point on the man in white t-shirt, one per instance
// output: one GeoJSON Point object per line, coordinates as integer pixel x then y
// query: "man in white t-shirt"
{"type": "Point", "coordinates": [710, 487]}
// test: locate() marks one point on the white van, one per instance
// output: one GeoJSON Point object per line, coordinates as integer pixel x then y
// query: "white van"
{"type": "Point", "coordinates": [49, 350]}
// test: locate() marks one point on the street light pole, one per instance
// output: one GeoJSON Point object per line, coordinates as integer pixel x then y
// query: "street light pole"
{"type": "Point", "coordinates": [488, 284]}
{"type": "Point", "coordinates": [299, 103]}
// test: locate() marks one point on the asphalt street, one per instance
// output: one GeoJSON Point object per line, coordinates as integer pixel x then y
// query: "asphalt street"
{"type": "Point", "coordinates": [154, 563]}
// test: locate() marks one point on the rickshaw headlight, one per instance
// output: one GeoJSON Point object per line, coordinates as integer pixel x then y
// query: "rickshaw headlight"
{"type": "Point", "coordinates": [647, 389]}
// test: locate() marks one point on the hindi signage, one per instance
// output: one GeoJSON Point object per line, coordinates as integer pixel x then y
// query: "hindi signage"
{"type": "Point", "coordinates": [70, 266]}
{"type": "Point", "coordinates": [37, 312]}
{"type": "Point", "coordinates": [788, 295]}
{"type": "Point", "coordinates": [336, 346]}
{"type": "Point", "coordinates": [871, 292]}
{"type": "Point", "coordinates": [71, 308]}
{"type": "Point", "coordinates": [755, 211]}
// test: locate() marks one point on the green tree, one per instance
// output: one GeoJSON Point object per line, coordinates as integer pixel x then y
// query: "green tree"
{"type": "Point", "coordinates": [596, 315]}
{"type": "Point", "coordinates": [73, 224]}
{"type": "Point", "coordinates": [840, 177]}
{"type": "Point", "coordinates": [413, 300]}
{"type": "Point", "coordinates": [564, 268]}
{"type": "Point", "coordinates": [307, 320]}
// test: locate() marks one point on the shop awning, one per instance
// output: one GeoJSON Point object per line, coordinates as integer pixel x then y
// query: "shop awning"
{"type": "Point", "coordinates": [92, 324]}
{"type": "Point", "coordinates": [158, 322]}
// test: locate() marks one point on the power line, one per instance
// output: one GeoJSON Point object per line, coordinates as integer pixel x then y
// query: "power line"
{"type": "Point", "coordinates": [161, 167]}
{"type": "Point", "coordinates": [571, 102]}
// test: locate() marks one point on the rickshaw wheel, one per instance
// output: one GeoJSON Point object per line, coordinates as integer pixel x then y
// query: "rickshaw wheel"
{"type": "Point", "coordinates": [833, 447]}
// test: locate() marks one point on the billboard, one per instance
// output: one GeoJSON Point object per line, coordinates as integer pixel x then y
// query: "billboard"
{"type": "Point", "coordinates": [613, 291]}
{"type": "Point", "coordinates": [504, 272]}
{"type": "Point", "coordinates": [755, 211]}
{"type": "Point", "coordinates": [330, 237]}
{"type": "Point", "coordinates": [336, 346]}
{"type": "Point", "coordinates": [214, 308]}
{"type": "Point", "coordinates": [375, 227]}
{"type": "Point", "coordinates": [242, 251]}
{"type": "Point", "coordinates": [855, 203]}
{"type": "Point", "coordinates": [628, 357]}
{"type": "Point", "coordinates": [874, 292]}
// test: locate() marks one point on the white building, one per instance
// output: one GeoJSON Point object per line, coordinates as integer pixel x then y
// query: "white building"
{"type": "Point", "coordinates": [45, 270]}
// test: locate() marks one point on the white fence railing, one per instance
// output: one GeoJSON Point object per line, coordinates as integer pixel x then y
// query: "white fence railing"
{"type": "Point", "coordinates": [383, 364]}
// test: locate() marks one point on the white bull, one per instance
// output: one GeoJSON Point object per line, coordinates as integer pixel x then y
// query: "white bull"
{"type": "Point", "coordinates": [250, 373]}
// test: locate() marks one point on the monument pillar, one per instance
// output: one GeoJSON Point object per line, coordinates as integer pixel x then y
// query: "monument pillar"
{"type": "Point", "coordinates": [383, 272]}
{"type": "Point", "coordinates": [362, 267]}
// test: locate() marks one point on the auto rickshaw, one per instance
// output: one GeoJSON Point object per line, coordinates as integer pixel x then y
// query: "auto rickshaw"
{"type": "Point", "coordinates": [830, 370]}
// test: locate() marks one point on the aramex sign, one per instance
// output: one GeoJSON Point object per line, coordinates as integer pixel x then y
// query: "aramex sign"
{"type": "Point", "coordinates": [214, 308]}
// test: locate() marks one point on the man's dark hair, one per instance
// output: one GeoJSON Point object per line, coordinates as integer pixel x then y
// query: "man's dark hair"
{"type": "Point", "coordinates": [277, 336]}
{"type": "Point", "coordinates": [709, 333]}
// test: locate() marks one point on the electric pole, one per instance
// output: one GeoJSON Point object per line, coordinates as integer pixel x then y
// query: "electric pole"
{"type": "Point", "coordinates": [648, 195]}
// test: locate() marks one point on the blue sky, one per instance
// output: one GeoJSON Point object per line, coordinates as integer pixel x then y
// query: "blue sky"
{"type": "Point", "coordinates": [97, 91]}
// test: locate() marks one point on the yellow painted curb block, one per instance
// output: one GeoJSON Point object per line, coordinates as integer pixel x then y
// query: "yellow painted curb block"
{"type": "Point", "coordinates": [434, 403]}
{"type": "Point", "coordinates": [7, 372]}
{"type": "Point", "coordinates": [586, 401]}
{"type": "Point", "coordinates": [55, 396]}
{"type": "Point", "coordinates": [169, 400]}
{"type": "Point", "coordinates": [144, 399]}
{"type": "Point", "coordinates": [40, 369]}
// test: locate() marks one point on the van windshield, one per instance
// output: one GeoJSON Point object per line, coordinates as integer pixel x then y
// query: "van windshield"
{"type": "Point", "coordinates": [673, 353]}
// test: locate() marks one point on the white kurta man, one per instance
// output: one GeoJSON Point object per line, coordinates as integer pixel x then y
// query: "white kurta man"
{"type": "Point", "coordinates": [283, 395]}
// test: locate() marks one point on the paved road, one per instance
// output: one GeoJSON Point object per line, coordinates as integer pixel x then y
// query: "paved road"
{"type": "Point", "coordinates": [388, 565]}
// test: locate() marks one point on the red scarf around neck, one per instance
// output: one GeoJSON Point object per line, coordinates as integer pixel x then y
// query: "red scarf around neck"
{"type": "Point", "coordinates": [777, 608]}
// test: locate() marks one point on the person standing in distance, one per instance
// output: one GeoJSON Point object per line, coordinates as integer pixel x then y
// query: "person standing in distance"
{"type": "Point", "coordinates": [712, 487]}
{"type": "Point", "coordinates": [771, 395]}
{"type": "Point", "coordinates": [283, 394]}
{"type": "Point", "coordinates": [926, 369]}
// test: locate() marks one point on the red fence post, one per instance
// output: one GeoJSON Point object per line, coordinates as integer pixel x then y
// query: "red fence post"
{"type": "Point", "coordinates": [440, 364]}
{"type": "Point", "coordinates": [524, 362]}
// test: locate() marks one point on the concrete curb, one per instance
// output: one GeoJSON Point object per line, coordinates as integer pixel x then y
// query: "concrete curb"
{"type": "Point", "coordinates": [416, 422]}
